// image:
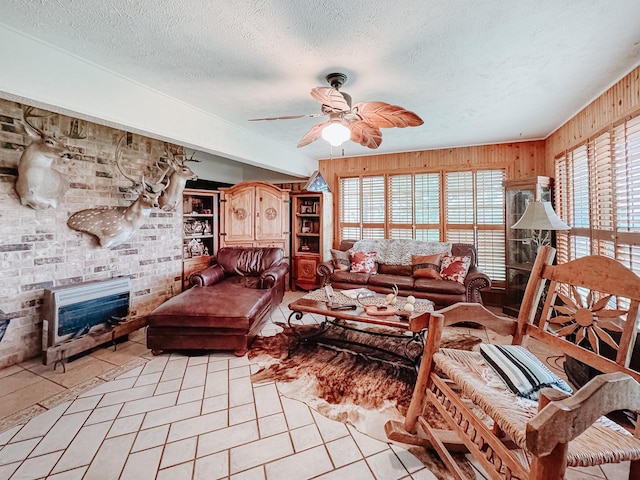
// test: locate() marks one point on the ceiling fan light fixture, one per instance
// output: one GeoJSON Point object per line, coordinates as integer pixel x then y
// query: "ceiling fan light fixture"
{"type": "Point", "coordinates": [336, 134]}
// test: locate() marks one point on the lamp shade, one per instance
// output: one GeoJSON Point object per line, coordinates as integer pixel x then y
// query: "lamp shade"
{"type": "Point", "coordinates": [336, 134]}
{"type": "Point", "coordinates": [540, 216]}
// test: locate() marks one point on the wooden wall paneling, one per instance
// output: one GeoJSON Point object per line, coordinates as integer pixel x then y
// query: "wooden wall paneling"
{"type": "Point", "coordinates": [617, 102]}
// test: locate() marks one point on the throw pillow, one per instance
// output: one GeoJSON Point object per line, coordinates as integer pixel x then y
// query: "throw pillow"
{"type": "Point", "coordinates": [454, 268]}
{"type": "Point", "coordinates": [341, 260]}
{"type": "Point", "coordinates": [426, 266]}
{"type": "Point", "coordinates": [364, 262]}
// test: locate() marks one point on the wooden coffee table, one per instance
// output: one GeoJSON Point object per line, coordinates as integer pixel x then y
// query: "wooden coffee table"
{"type": "Point", "coordinates": [316, 303]}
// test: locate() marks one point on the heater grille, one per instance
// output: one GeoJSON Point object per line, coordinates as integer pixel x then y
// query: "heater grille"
{"type": "Point", "coordinates": [76, 309]}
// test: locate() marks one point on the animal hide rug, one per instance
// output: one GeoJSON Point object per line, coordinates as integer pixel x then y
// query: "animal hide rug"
{"type": "Point", "coordinates": [345, 381]}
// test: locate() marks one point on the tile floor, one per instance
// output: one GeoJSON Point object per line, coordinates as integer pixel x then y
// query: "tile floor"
{"type": "Point", "coordinates": [125, 414]}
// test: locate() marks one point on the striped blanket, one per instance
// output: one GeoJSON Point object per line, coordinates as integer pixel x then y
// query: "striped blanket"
{"type": "Point", "coordinates": [521, 371]}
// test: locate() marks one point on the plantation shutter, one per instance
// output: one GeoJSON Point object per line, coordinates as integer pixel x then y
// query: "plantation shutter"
{"type": "Point", "coordinates": [475, 214]}
{"type": "Point", "coordinates": [598, 195]}
{"type": "Point", "coordinates": [401, 206]}
{"type": "Point", "coordinates": [427, 206]}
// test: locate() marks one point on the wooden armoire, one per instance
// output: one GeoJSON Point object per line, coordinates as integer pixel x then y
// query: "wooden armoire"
{"type": "Point", "coordinates": [255, 214]}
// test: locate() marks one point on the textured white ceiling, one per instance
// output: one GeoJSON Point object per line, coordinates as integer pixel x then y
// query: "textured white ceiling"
{"type": "Point", "coordinates": [477, 71]}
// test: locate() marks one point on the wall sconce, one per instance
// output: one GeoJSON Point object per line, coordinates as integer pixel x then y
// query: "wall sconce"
{"type": "Point", "coordinates": [539, 217]}
{"type": "Point", "coordinates": [336, 133]}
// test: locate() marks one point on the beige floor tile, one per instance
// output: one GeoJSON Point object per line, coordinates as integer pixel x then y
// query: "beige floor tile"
{"type": "Point", "coordinates": [344, 451]}
{"type": "Point", "coordinates": [83, 447]}
{"type": "Point", "coordinates": [260, 452]}
{"type": "Point", "coordinates": [148, 404]}
{"type": "Point", "coordinates": [367, 445]}
{"type": "Point", "coordinates": [329, 429]}
{"type": "Point", "coordinates": [150, 437]}
{"type": "Point", "coordinates": [5, 372]}
{"type": "Point", "coordinates": [304, 438]}
{"type": "Point", "coordinates": [126, 425]}
{"type": "Point", "coordinates": [359, 470]}
{"type": "Point", "coordinates": [40, 425]}
{"type": "Point", "coordinates": [300, 466]}
{"type": "Point", "coordinates": [240, 391]}
{"type": "Point", "coordinates": [212, 467]}
{"type": "Point", "coordinates": [198, 425]}
{"type": "Point", "coordinates": [111, 458]}
{"type": "Point", "coordinates": [297, 413]}
{"type": "Point", "coordinates": [267, 400]}
{"type": "Point", "coordinates": [614, 471]}
{"type": "Point", "coordinates": [227, 438]}
{"type": "Point", "coordinates": [37, 467]}
{"type": "Point", "coordinates": [386, 465]}
{"type": "Point", "coordinates": [61, 434]}
{"type": "Point", "coordinates": [36, 390]}
{"type": "Point", "coordinates": [272, 425]}
{"type": "Point", "coordinates": [240, 414]}
{"type": "Point", "coordinates": [142, 465]}
{"type": "Point", "coordinates": [124, 353]}
{"type": "Point", "coordinates": [75, 474]}
{"type": "Point", "coordinates": [17, 451]}
{"type": "Point", "coordinates": [179, 452]}
{"type": "Point", "coordinates": [165, 416]}
{"type": "Point", "coordinates": [75, 372]}
{"type": "Point", "coordinates": [256, 473]}
{"type": "Point", "coordinates": [184, 470]}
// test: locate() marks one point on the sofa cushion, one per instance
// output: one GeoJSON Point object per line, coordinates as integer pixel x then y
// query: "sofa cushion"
{"type": "Point", "coordinates": [394, 269]}
{"type": "Point", "coordinates": [426, 266]}
{"type": "Point", "coordinates": [364, 262]}
{"type": "Point", "coordinates": [438, 286]}
{"type": "Point", "coordinates": [341, 260]}
{"type": "Point", "coordinates": [230, 305]}
{"type": "Point", "coordinates": [399, 251]}
{"type": "Point", "coordinates": [383, 280]}
{"type": "Point", "coordinates": [455, 268]}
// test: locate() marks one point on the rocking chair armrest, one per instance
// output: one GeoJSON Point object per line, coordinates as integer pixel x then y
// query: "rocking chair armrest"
{"type": "Point", "coordinates": [562, 421]}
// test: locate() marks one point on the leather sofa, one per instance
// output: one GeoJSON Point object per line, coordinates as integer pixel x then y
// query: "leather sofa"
{"type": "Point", "coordinates": [226, 306]}
{"type": "Point", "coordinates": [442, 292]}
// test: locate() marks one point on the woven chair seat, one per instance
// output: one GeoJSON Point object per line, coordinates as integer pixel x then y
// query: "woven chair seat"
{"type": "Point", "coordinates": [603, 442]}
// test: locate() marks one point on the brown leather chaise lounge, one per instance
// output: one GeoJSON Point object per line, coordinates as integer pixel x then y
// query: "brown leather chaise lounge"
{"type": "Point", "coordinates": [227, 305]}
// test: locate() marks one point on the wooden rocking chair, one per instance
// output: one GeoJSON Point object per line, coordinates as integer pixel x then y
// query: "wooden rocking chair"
{"type": "Point", "coordinates": [586, 303]}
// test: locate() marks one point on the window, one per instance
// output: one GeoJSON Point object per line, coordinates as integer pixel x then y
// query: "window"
{"type": "Point", "coordinates": [598, 195]}
{"type": "Point", "coordinates": [475, 214]}
{"type": "Point", "coordinates": [468, 209]}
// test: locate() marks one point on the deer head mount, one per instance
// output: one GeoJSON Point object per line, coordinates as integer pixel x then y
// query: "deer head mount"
{"type": "Point", "coordinates": [113, 226]}
{"type": "Point", "coordinates": [39, 185]}
{"type": "Point", "coordinates": [172, 195]}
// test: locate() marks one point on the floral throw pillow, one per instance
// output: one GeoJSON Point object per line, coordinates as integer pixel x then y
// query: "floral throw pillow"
{"type": "Point", "coordinates": [426, 266]}
{"type": "Point", "coordinates": [364, 262]}
{"type": "Point", "coordinates": [454, 268]}
{"type": "Point", "coordinates": [341, 260]}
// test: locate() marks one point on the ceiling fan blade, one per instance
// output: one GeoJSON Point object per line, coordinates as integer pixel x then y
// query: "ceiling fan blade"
{"type": "Point", "coordinates": [385, 115]}
{"type": "Point", "coordinates": [313, 134]}
{"type": "Point", "coordinates": [365, 134]}
{"type": "Point", "coordinates": [287, 117]}
{"type": "Point", "coordinates": [332, 99]}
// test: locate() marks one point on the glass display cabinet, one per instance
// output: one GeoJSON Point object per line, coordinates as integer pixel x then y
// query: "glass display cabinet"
{"type": "Point", "coordinates": [520, 252]}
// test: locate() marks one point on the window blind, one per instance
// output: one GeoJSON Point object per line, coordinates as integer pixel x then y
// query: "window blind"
{"type": "Point", "coordinates": [598, 193]}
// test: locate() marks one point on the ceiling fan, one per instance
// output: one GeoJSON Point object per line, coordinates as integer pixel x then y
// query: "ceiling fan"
{"type": "Point", "coordinates": [361, 123]}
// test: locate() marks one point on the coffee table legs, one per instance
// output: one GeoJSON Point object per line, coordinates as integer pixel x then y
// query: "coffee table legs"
{"type": "Point", "coordinates": [317, 337]}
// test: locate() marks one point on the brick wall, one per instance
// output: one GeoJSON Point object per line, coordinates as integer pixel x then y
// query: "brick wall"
{"type": "Point", "coordinates": [37, 248]}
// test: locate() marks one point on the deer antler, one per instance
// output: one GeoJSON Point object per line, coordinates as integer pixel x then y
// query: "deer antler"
{"type": "Point", "coordinates": [118, 155]}
{"type": "Point", "coordinates": [28, 113]}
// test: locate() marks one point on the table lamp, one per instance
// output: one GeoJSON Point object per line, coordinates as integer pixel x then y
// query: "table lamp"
{"type": "Point", "coordinates": [540, 217]}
